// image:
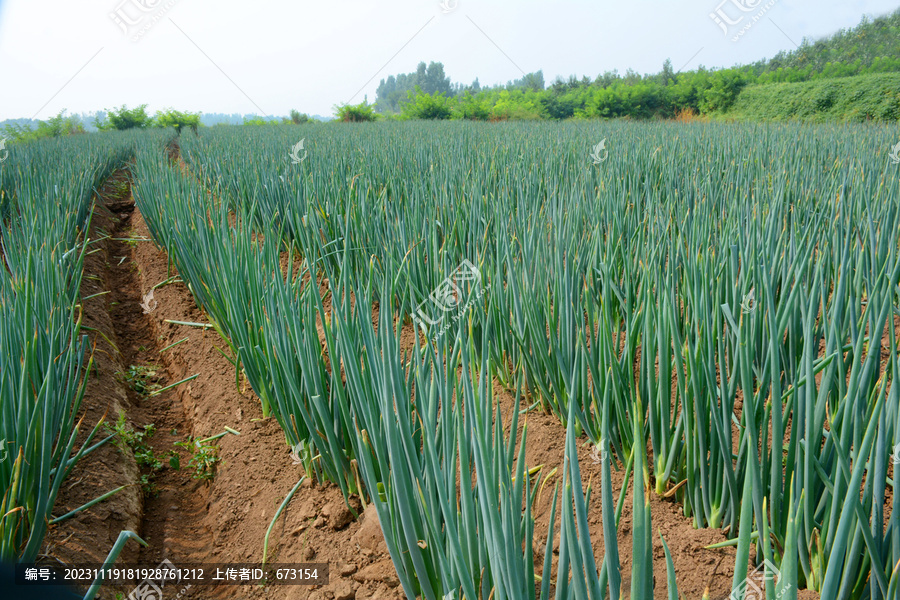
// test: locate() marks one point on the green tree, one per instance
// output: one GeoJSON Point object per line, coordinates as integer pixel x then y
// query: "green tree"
{"type": "Point", "coordinates": [298, 118]}
{"type": "Point", "coordinates": [178, 120]}
{"type": "Point", "coordinates": [667, 74]}
{"type": "Point", "coordinates": [420, 105]}
{"type": "Point", "coordinates": [517, 105]}
{"type": "Point", "coordinates": [474, 107]}
{"type": "Point", "coordinates": [434, 80]}
{"type": "Point", "coordinates": [393, 91]}
{"type": "Point", "coordinates": [558, 107]}
{"type": "Point", "coordinates": [532, 81]}
{"type": "Point", "coordinates": [355, 113]}
{"type": "Point", "coordinates": [123, 118]}
{"type": "Point", "coordinates": [724, 88]}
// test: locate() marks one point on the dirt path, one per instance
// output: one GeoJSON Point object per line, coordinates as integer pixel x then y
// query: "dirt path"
{"type": "Point", "coordinates": [89, 536]}
{"type": "Point", "coordinates": [174, 503]}
{"type": "Point", "coordinates": [163, 505]}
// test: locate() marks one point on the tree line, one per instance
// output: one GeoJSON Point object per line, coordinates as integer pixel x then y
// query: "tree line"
{"type": "Point", "coordinates": [428, 93]}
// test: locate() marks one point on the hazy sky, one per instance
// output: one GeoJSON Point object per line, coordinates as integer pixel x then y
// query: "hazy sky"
{"type": "Point", "coordinates": [268, 57]}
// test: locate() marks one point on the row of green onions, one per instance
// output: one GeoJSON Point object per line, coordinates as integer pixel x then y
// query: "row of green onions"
{"type": "Point", "coordinates": [46, 189]}
{"type": "Point", "coordinates": [725, 298]}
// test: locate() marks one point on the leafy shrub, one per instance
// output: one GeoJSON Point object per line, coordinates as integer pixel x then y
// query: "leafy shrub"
{"type": "Point", "coordinates": [178, 120]}
{"type": "Point", "coordinates": [726, 85]}
{"type": "Point", "coordinates": [516, 105]}
{"type": "Point", "coordinates": [259, 122]}
{"type": "Point", "coordinates": [355, 113]}
{"type": "Point", "coordinates": [426, 106]}
{"type": "Point", "coordinates": [57, 126]}
{"type": "Point", "coordinates": [475, 107]}
{"type": "Point", "coordinates": [859, 98]}
{"type": "Point", "coordinates": [123, 118]}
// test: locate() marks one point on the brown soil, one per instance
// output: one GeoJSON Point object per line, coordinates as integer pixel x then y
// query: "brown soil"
{"type": "Point", "coordinates": [224, 519]}
{"type": "Point", "coordinates": [88, 537]}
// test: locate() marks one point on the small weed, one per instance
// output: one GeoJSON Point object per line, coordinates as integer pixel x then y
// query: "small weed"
{"type": "Point", "coordinates": [140, 378]}
{"type": "Point", "coordinates": [136, 441]}
{"type": "Point", "coordinates": [203, 459]}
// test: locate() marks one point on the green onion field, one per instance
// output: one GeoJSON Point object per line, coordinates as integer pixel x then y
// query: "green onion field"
{"type": "Point", "coordinates": [710, 311]}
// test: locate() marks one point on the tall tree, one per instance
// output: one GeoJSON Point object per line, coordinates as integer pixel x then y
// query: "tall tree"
{"type": "Point", "coordinates": [435, 81]}
{"type": "Point", "coordinates": [667, 74]}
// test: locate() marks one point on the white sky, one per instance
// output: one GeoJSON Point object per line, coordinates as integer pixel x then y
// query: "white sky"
{"type": "Point", "coordinates": [269, 56]}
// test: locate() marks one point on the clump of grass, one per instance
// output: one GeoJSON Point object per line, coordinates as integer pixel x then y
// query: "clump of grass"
{"type": "Point", "coordinates": [143, 379]}
{"type": "Point", "coordinates": [137, 441]}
